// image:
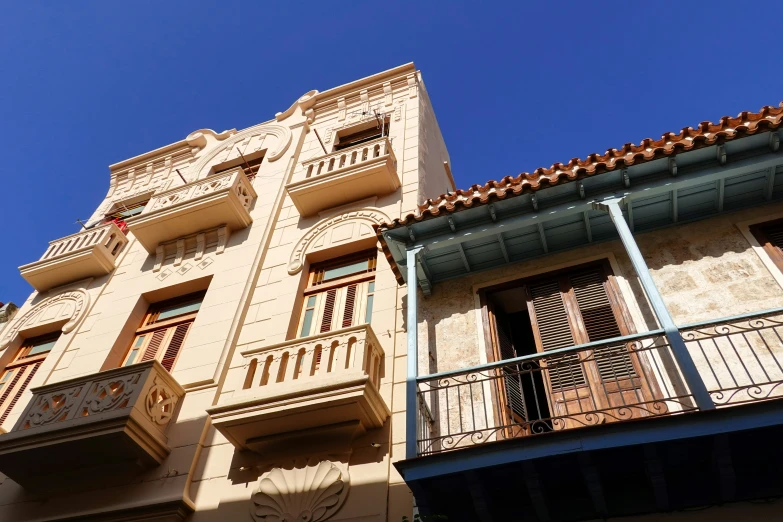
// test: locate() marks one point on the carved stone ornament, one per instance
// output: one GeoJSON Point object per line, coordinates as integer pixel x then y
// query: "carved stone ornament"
{"type": "Point", "coordinates": [70, 305]}
{"type": "Point", "coordinates": [224, 150]}
{"type": "Point", "coordinates": [305, 492]}
{"type": "Point", "coordinates": [304, 102]}
{"type": "Point", "coordinates": [160, 403]}
{"type": "Point", "coordinates": [364, 218]}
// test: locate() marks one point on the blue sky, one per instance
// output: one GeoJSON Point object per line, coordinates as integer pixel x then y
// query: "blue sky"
{"type": "Point", "coordinates": [515, 86]}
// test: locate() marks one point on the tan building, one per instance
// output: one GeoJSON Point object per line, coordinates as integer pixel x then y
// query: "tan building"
{"type": "Point", "coordinates": [231, 337]}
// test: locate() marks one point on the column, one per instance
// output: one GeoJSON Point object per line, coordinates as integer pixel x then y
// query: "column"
{"type": "Point", "coordinates": [411, 409]}
{"type": "Point", "coordinates": [699, 391]}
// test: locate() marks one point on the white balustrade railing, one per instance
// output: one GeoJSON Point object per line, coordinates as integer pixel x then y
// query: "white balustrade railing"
{"type": "Point", "coordinates": [234, 180]}
{"type": "Point", "coordinates": [349, 350]}
{"type": "Point", "coordinates": [107, 237]}
{"type": "Point", "coordinates": [350, 157]}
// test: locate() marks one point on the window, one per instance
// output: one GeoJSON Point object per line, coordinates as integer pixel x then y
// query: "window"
{"type": "Point", "coordinates": [339, 294]}
{"type": "Point", "coordinates": [249, 166]}
{"type": "Point", "coordinates": [163, 331]}
{"type": "Point", "coordinates": [770, 236]}
{"type": "Point", "coordinates": [560, 310]}
{"type": "Point", "coordinates": [17, 375]}
{"type": "Point", "coordinates": [377, 130]}
{"type": "Point", "coordinates": [123, 212]}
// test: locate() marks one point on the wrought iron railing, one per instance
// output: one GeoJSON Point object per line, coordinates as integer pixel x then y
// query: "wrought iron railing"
{"type": "Point", "coordinates": [740, 359]}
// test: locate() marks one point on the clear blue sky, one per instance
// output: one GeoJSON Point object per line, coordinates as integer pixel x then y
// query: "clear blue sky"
{"type": "Point", "coordinates": [515, 87]}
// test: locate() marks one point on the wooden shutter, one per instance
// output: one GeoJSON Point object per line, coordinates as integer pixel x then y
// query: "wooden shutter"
{"type": "Point", "coordinates": [770, 236]}
{"type": "Point", "coordinates": [350, 303]}
{"type": "Point", "coordinates": [23, 372]}
{"type": "Point", "coordinates": [328, 313]}
{"type": "Point", "coordinates": [598, 318]}
{"type": "Point", "coordinates": [553, 328]}
{"type": "Point", "coordinates": [154, 345]}
{"type": "Point", "coordinates": [175, 344]}
{"type": "Point", "coordinates": [512, 380]}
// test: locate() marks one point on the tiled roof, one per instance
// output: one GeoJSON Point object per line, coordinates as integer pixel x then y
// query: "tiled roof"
{"type": "Point", "coordinates": [705, 135]}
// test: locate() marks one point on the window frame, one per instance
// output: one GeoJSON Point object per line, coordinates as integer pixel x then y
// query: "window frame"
{"type": "Point", "coordinates": [149, 325]}
{"type": "Point", "coordinates": [320, 291]}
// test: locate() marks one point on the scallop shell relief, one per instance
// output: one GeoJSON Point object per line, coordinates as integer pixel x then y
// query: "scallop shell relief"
{"type": "Point", "coordinates": [305, 492]}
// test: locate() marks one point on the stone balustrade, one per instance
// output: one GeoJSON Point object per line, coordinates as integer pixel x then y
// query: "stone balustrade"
{"type": "Point", "coordinates": [327, 383]}
{"type": "Point", "coordinates": [115, 417]}
{"type": "Point", "coordinates": [222, 199]}
{"type": "Point", "coordinates": [349, 157]}
{"type": "Point", "coordinates": [89, 253]}
{"type": "Point", "coordinates": [351, 174]}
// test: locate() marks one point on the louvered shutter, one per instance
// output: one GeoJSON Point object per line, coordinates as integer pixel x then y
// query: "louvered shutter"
{"type": "Point", "coordinates": [613, 362]}
{"type": "Point", "coordinates": [770, 236]}
{"type": "Point", "coordinates": [28, 372]}
{"type": "Point", "coordinates": [554, 331]}
{"type": "Point", "coordinates": [175, 344]}
{"type": "Point", "coordinates": [350, 303]}
{"type": "Point", "coordinates": [512, 380]}
{"type": "Point", "coordinates": [328, 313]}
{"type": "Point", "coordinates": [154, 345]}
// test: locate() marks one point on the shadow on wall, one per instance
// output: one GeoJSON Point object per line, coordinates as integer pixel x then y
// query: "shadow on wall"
{"type": "Point", "coordinates": [364, 499]}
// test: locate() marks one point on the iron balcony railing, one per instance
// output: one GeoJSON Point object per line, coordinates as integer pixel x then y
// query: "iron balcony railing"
{"type": "Point", "coordinates": [739, 359]}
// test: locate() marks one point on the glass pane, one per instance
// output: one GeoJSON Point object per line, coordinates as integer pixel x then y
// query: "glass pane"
{"type": "Point", "coordinates": [368, 314]}
{"type": "Point", "coordinates": [132, 357]}
{"type": "Point", "coordinates": [139, 342]}
{"type": "Point", "coordinates": [371, 287]}
{"type": "Point", "coordinates": [311, 301]}
{"type": "Point", "coordinates": [308, 321]}
{"type": "Point", "coordinates": [41, 347]}
{"type": "Point", "coordinates": [341, 271]}
{"type": "Point", "coordinates": [130, 212]}
{"type": "Point", "coordinates": [178, 309]}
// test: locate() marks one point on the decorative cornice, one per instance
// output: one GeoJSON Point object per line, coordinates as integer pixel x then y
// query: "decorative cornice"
{"type": "Point", "coordinates": [370, 216]}
{"type": "Point", "coordinates": [280, 132]}
{"type": "Point", "coordinates": [304, 102]}
{"type": "Point", "coordinates": [78, 300]}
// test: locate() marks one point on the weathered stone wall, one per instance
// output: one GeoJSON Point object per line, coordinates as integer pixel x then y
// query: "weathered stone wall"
{"type": "Point", "coordinates": [704, 270]}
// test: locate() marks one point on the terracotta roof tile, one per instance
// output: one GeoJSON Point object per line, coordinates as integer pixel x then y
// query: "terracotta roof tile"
{"type": "Point", "coordinates": [689, 138]}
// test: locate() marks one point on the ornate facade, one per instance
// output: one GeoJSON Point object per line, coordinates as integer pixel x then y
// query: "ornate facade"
{"type": "Point", "coordinates": [232, 335]}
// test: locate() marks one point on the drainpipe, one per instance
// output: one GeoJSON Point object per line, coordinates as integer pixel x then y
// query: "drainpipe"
{"type": "Point", "coordinates": [688, 368]}
{"type": "Point", "coordinates": [411, 409]}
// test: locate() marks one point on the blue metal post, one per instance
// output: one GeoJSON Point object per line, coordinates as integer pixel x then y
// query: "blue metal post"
{"type": "Point", "coordinates": [688, 368]}
{"type": "Point", "coordinates": [411, 404]}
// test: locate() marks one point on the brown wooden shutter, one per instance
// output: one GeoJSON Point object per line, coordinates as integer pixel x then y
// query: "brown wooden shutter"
{"type": "Point", "coordinates": [326, 321]}
{"type": "Point", "coordinates": [613, 362]}
{"type": "Point", "coordinates": [770, 236]}
{"type": "Point", "coordinates": [512, 380]}
{"type": "Point", "coordinates": [152, 347]}
{"type": "Point", "coordinates": [30, 374]}
{"type": "Point", "coordinates": [554, 331]}
{"type": "Point", "coordinates": [180, 332]}
{"type": "Point", "coordinates": [350, 302]}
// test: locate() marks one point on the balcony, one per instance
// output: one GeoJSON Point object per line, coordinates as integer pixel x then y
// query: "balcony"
{"type": "Point", "coordinates": [111, 420]}
{"type": "Point", "coordinates": [89, 253]}
{"type": "Point", "coordinates": [220, 199]}
{"type": "Point", "coordinates": [352, 174]}
{"type": "Point", "coordinates": [315, 390]}
{"type": "Point", "coordinates": [634, 441]}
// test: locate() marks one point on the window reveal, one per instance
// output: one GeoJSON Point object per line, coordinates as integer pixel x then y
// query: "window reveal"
{"type": "Point", "coordinates": [557, 311]}
{"type": "Point", "coordinates": [164, 330]}
{"type": "Point", "coordinates": [16, 376]}
{"type": "Point", "coordinates": [339, 294]}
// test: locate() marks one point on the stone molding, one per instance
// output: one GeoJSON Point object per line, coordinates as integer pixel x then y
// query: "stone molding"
{"type": "Point", "coordinates": [308, 242]}
{"type": "Point", "coordinates": [71, 305]}
{"type": "Point", "coordinates": [243, 139]}
{"type": "Point", "coordinates": [307, 490]}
